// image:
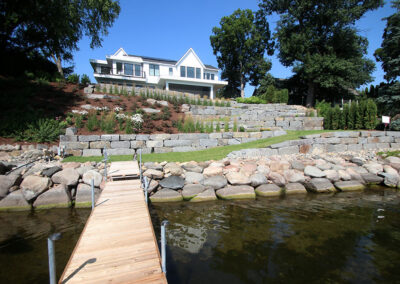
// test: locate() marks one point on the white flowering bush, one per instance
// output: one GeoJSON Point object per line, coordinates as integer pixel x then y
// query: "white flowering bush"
{"type": "Point", "coordinates": [118, 109]}
{"type": "Point", "coordinates": [81, 112]}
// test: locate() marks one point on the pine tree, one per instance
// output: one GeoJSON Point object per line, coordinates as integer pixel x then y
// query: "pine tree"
{"type": "Point", "coordinates": [328, 119]}
{"type": "Point", "coordinates": [359, 117]}
{"type": "Point", "coordinates": [346, 116]}
{"type": "Point", "coordinates": [335, 117]}
{"type": "Point", "coordinates": [352, 116]}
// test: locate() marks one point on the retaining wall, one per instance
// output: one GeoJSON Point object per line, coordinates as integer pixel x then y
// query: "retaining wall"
{"type": "Point", "coordinates": [127, 144]}
{"type": "Point", "coordinates": [257, 116]}
{"type": "Point", "coordinates": [327, 142]}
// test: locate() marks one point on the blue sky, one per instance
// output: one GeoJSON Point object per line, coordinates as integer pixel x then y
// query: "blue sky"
{"type": "Point", "coordinates": [167, 29]}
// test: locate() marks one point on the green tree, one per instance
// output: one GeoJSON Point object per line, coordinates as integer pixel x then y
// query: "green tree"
{"type": "Point", "coordinates": [389, 52]}
{"type": "Point", "coordinates": [318, 39]}
{"type": "Point", "coordinates": [370, 114]}
{"type": "Point", "coordinates": [239, 44]}
{"type": "Point", "coordinates": [359, 121]}
{"type": "Point", "coordinates": [335, 117]}
{"type": "Point", "coordinates": [54, 27]}
{"type": "Point", "coordinates": [346, 116]}
{"type": "Point", "coordinates": [352, 116]}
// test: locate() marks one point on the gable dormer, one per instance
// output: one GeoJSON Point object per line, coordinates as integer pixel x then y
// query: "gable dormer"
{"type": "Point", "coordinates": [120, 53]}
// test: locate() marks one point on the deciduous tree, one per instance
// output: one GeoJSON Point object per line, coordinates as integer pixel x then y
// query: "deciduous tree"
{"type": "Point", "coordinates": [318, 39]}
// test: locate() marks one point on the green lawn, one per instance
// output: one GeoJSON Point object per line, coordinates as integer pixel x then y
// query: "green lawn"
{"type": "Point", "coordinates": [216, 153]}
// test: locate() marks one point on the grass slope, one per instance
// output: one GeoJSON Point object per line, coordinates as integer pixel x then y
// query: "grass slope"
{"type": "Point", "coordinates": [216, 153]}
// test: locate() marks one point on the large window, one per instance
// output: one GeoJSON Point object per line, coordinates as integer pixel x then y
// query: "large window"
{"type": "Point", "coordinates": [154, 70]}
{"type": "Point", "coordinates": [198, 73]}
{"type": "Point", "coordinates": [171, 72]}
{"type": "Point", "coordinates": [119, 67]}
{"type": "Point", "coordinates": [212, 76]}
{"type": "Point", "coordinates": [183, 71]}
{"type": "Point", "coordinates": [138, 70]}
{"type": "Point", "coordinates": [190, 72]}
{"type": "Point", "coordinates": [128, 69]}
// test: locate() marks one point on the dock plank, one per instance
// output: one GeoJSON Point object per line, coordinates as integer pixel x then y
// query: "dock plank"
{"type": "Point", "coordinates": [118, 243]}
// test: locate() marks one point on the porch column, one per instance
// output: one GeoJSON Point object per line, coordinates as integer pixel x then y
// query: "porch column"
{"type": "Point", "coordinates": [167, 86]}
{"type": "Point", "coordinates": [211, 93]}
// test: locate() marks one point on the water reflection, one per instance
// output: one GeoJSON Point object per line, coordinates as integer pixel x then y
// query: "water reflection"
{"type": "Point", "coordinates": [310, 238]}
{"type": "Point", "coordinates": [23, 242]}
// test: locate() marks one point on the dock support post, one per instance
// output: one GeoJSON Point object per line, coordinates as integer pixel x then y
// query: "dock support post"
{"type": "Point", "coordinates": [140, 166]}
{"type": "Point", "coordinates": [146, 188]}
{"type": "Point", "coordinates": [52, 258]}
{"type": "Point", "coordinates": [163, 245]}
{"type": "Point", "coordinates": [105, 163]}
{"type": "Point", "coordinates": [92, 185]}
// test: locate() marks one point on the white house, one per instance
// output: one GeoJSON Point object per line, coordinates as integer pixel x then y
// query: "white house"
{"type": "Point", "coordinates": [188, 74]}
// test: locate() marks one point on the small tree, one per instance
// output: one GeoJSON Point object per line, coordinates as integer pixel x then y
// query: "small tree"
{"type": "Point", "coordinates": [352, 116]}
{"type": "Point", "coordinates": [85, 80]}
{"type": "Point", "coordinates": [335, 118]}
{"type": "Point", "coordinates": [370, 114]}
{"type": "Point", "coordinates": [346, 115]}
{"type": "Point", "coordinates": [359, 117]}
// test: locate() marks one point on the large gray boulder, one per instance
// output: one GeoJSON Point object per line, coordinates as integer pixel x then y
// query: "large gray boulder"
{"type": "Point", "coordinates": [56, 195]}
{"type": "Point", "coordinates": [332, 175]}
{"type": "Point", "coordinates": [84, 193]}
{"type": "Point", "coordinates": [258, 179]}
{"type": "Point", "coordinates": [296, 165]}
{"type": "Point", "coordinates": [294, 188]}
{"type": "Point", "coordinates": [166, 195]}
{"type": "Point", "coordinates": [192, 167]}
{"type": "Point", "coordinates": [216, 182]}
{"type": "Point", "coordinates": [192, 177]}
{"type": "Point", "coordinates": [277, 178]}
{"type": "Point", "coordinates": [350, 185]}
{"type": "Point", "coordinates": [92, 175]}
{"type": "Point", "coordinates": [8, 181]}
{"type": "Point", "coordinates": [51, 171]}
{"type": "Point", "coordinates": [294, 176]}
{"type": "Point", "coordinates": [153, 166]}
{"type": "Point", "coordinates": [191, 190]}
{"type": "Point", "coordinates": [268, 190]}
{"type": "Point", "coordinates": [14, 199]}
{"type": "Point", "coordinates": [206, 195]}
{"type": "Point", "coordinates": [319, 185]}
{"type": "Point", "coordinates": [68, 176]}
{"type": "Point", "coordinates": [173, 168]}
{"type": "Point", "coordinates": [373, 168]}
{"type": "Point", "coordinates": [237, 178]}
{"type": "Point", "coordinates": [83, 169]}
{"type": "Point", "coordinates": [153, 173]}
{"type": "Point", "coordinates": [33, 186]}
{"type": "Point", "coordinates": [236, 192]}
{"type": "Point", "coordinates": [172, 182]}
{"type": "Point", "coordinates": [372, 178]}
{"type": "Point", "coordinates": [313, 172]}
{"type": "Point", "coordinates": [389, 179]}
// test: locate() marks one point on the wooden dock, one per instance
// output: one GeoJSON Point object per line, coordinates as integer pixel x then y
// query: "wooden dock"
{"type": "Point", "coordinates": [118, 244]}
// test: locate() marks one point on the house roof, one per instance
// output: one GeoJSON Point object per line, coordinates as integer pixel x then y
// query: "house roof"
{"type": "Point", "coordinates": [163, 60]}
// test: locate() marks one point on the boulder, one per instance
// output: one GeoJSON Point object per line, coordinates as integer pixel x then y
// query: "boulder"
{"type": "Point", "coordinates": [268, 190]}
{"type": "Point", "coordinates": [51, 171]}
{"type": "Point", "coordinates": [357, 161]}
{"type": "Point", "coordinates": [153, 166]}
{"type": "Point", "coordinates": [173, 168]}
{"type": "Point", "coordinates": [248, 168]}
{"type": "Point", "coordinates": [55, 195]}
{"type": "Point", "coordinates": [236, 192]}
{"type": "Point", "coordinates": [84, 193]}
{"type": "Point", "coordinates": [371, 178]}
{"type": "Point", "coordinates": [388, 169]}
{"type": "Point", "coordinates": [263, 170]}
{"type": "Point", "coordinates": [191, 190]}
{"type": "Point", "coordinates": [172, 182]}
{"type": "Point", "coordinates": [277, 178]}
{"type": "Point", "coordinates": [212, 171]}
{"type": "Point", "coordinates": [166, 195]}
{"type": "Point", "coordinates": [343, 175]}
{"type": "Point", "coordinates": [349, 185]}
{"type": "Point", "coordinates": [82, 170]}
{"type": "Point", "coordinates": [68, 176]}
{"type": "Point", "coordinates": [14, 199]}
{"type": "Point", "coordinates": [236, 178]}
{"type": "Point", "coordinates": [297, 165]}
{"type": "Point", "coordinates": [373, 168]}
{"type": "Point", "coordinates": [258, 179]}
{"type": "Point", "coordinates": [152, 186]}
{"type": "Point", "coordinates": [390, 180]}
{"type": "Point", "coordinates": [215, 182]}
{"type": "Point", "coordinates": [319, 185]}
{"type": "Point", "coordinates": [313, 172]}
{"type": "Point", "coordinates": [230, 168]}
{"type": "Point", "coordinates": [332, 175]}
{"type": "Point", "coordinates": [8, 181]}
{"type": "Point", "coordinates": [153, 174]}
{"type": "Point", "coordinates": [294, 188]}
{"type": "Point", "coordinates": [360, 170]}
{"type": "Point", "coordinates": [206, 195]}
{"type": "Point", "coordinates": [294, 176]}
{"type": "Point", "coordinates": [192, 177]}
{"type": "Point", "coordinates": [92, 174]}
{"type": "Point", "coordinates": [192, 167]}
{"type": "Point", "coordinates": [324, 166]}
{"type": "Point", "coordinates": [33, 186]}
{"type": "Point", "coordinates": [392, 160]}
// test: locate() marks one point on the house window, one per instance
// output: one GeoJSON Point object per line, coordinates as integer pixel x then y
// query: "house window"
{"type": "Point", "coordinates": [154, 70]}
{"type": "Point", "coordinates": [138, 70]}
{"type": "Point", "coordinates": [190, 72]}
{"type": "Point", "coordinates": [119, 67]}
{"type": "Point", "coordinates": [212, 76]}
{"type": "Point", "coordinates": [170, 72]}
{"type": "Point", "coordinates": [105, 70]}
{"type": "Point", "coordinates": [128, 69]}
{"type": "Point", "coordinates": [198, 73]}
{"type": "Point", "coordinates": [206, 76]}
{"type": "Point", "coordinates": [183, 71]}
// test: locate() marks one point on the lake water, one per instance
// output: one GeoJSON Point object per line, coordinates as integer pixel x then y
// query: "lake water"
{"type": "Point", "coordinates": [342, 238]}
